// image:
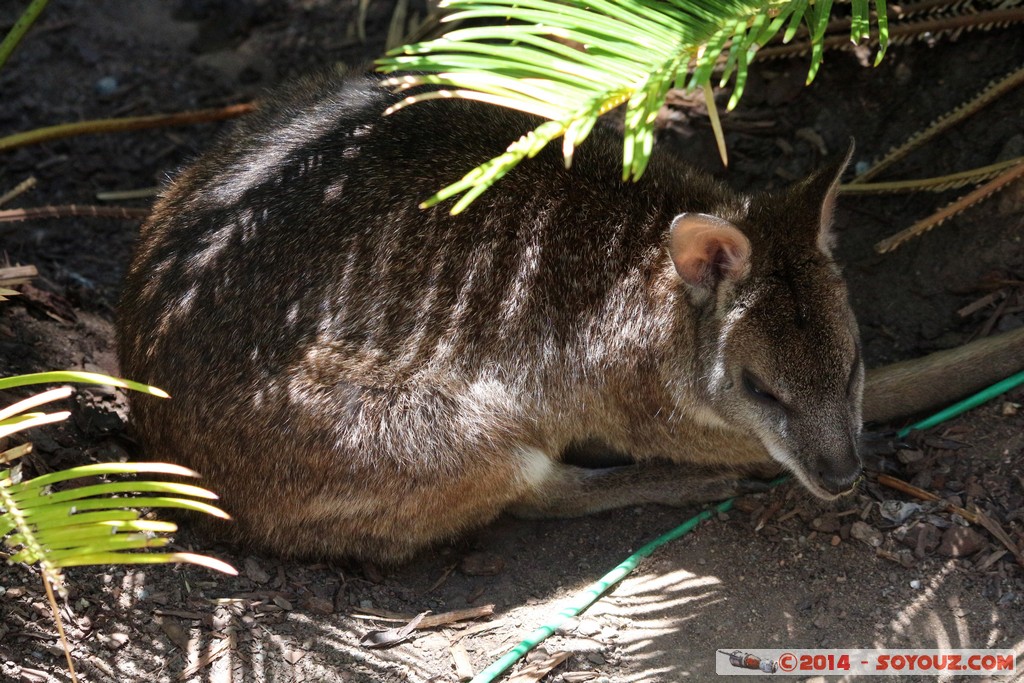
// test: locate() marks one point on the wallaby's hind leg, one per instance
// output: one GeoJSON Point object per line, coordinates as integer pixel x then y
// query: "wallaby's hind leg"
{"type": "Point", "coordinates": [571, 491]}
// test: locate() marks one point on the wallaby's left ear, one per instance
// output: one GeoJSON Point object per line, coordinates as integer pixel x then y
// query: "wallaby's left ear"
{"type": "Point", "coordinates": [821, 188]}
{"type": "Point", "coordinates": [708, 252]}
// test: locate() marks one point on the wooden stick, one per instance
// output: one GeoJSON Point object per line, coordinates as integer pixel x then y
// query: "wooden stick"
{"type": "Point", "coordinates": [463, 665]}
{"type": "Point", "coordinates": [17, 275]}
{"type": "Point", "coordinates": [431, 620]}
{"type": "Point", "coordinates": [921, 494]}
{"type": "Point", "coordinates": [21, 187]}
{"type": "Point", "coordinates": [121, 195]}
{"type": "Point", "coordinates": [65, 130]}
{"type": "Point", "coordinates": [976, 517]}
{"type": "Point", "coordinates": [73, 210]}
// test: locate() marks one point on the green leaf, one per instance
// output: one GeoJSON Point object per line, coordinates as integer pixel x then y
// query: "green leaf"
{"type": "Point", "coordinates": [27, 493]}
{"type": "Point", "coordinates": [81, 377]}
{"type": "Point", "coordinates": [18, 423]}
{"type": "Point", "coordinates": [151, 558]}
{"type": "Point", "coordinates": [859, 21]}
{"type": "Point", "coordinates": [883, 30]}
{"type": "Point", "coordinates": [104, 468]}
{"type": "Point", "coordinates": [65, 514]}
{"type": "Point", "coordinates": [622, 51]}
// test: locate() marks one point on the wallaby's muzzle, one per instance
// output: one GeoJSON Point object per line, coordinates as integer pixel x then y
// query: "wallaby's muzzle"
{"type": "Point", "coordinates": [836, 476]}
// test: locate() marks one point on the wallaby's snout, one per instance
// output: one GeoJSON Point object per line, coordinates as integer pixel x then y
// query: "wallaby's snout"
{"type": "Point", "coordinates": [839, 477]}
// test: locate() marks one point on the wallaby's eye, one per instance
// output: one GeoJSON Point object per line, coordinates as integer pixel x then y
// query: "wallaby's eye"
{"type": "Point", "coordinates": [757, 389]}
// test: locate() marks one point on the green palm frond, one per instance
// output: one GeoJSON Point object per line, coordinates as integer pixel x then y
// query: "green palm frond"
{"type": "Point", "coordinates": [95, 523]}
{"type": "Point", "coordinates": [569, 61]}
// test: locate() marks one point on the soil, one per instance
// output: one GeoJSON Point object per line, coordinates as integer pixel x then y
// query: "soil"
{"type": "Point", "coordinates": [778, 571]}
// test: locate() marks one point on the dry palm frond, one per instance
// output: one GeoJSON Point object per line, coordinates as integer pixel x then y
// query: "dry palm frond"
{"type": "Point", "coordinates": [952, 181]}
{"type": "Point", "coordinates": [937, 218]}
{"type": "Point", "coordinates": [989, 94]}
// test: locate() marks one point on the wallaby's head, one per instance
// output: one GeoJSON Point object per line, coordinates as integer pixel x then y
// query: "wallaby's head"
{"type": "Point", "coordinates": [780, 355]}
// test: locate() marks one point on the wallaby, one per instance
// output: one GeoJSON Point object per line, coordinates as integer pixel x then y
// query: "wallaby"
{"type": "Point", "coordinates": [359, 377]}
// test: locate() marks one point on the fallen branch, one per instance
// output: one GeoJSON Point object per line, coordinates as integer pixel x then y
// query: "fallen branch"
{"type": "Point", "coordinates": [18, 189]}
{"type": "Point", "coordinates": [72, 210]}
{"type": "Point", "coordinates": [921, 494]}
{"type": "Point", "coordinates": [430, 620]}
{"type": "Point", "coordinates": [975, 517]}
{"type": "Point", "coordinates": [17, 275]}
{"type": "Point", "coordinates": [65, 130]}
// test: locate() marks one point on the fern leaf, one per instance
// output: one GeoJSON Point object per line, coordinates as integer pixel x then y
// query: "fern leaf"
{"type": "Point", "coordinates": [619, 52]}
{"type": "Point", "coordinates": [90, 524]}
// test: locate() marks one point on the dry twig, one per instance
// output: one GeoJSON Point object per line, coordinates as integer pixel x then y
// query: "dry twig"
{"type": "Point", "coordinates": [974, 517]}
{"type": "Point", "coordinates": [72, 210]}
{"type": "Point", "coordinates": [925, 224]}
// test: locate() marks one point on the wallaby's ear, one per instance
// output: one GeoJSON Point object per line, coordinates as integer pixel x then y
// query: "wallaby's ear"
{"type": "Point", "coordinates": [707, 251]}
{"type": "Point", "coordinates": [822, 188]}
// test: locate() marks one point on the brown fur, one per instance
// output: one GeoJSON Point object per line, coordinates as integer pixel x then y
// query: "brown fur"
{"type": "Point", "coordinates": [359, 377]}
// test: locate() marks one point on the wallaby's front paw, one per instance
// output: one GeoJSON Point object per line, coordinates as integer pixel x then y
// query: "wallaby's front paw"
{"type": "Point", "coordinates": [745, 486]}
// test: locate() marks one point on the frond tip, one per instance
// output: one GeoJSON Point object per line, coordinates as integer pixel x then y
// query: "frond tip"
{"type": "Point", "coordinates": [97, 523]}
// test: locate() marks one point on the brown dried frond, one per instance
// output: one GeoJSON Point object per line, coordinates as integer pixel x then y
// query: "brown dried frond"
{"type": "Point", "coordinates": [989, 94]}
{"type": "Point", "coordinates": [940, 216]}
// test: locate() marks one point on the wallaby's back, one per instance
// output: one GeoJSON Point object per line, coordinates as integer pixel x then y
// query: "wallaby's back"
{"type": "Point", "coordinates": [357, 376]}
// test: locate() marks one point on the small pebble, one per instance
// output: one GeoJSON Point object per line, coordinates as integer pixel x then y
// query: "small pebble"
{"type": "Point", "coordinates": [866, 533]}
{"type": "Point", "coordinates": [915, 584]}
{"type": "Point", "coordinates": [960, 542]}
{"type": "Point", "coordinates": [106, 85]}
{"type": "Point", "coordinates": [114, 641]}
{"type": "Point", "coordinates": [908, 457]}
{"type": "Point", "coordinates": [482, 564]}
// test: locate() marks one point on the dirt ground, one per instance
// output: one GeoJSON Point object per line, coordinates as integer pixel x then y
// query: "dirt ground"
{"type": "Point", "coordinates": [780, 570]}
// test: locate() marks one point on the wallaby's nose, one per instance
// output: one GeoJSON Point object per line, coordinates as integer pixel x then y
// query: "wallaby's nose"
{"type": "Point", "coordinates": [840, 479]}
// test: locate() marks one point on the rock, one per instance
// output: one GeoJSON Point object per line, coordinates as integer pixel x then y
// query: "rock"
{"type": "Point", "coordinates": [254, 572]}
{"type": "Point", "coordinates": [922, 480]}
{"type": "Point", "coordinates": [827, 523]}
{"type": "Point", "coordinates": [975, 490]}
{"type": "Point", "coordinates": [106, 86]}
{"type": "Point", "coordinates": [481, 564]}
{"type": "Point", "coordinates": [318, 605]}
{"type": "Point", "coordinates": [174, 631]}
{"type": "Point", "coordinates": [921, 538]}
{"type": "Point", "coordinates": [866, 534]}
{"type": "Point", "coordinates": [898, 511]}
{"type": "Point", "coordinates": [588, 627]}
{"type": "Point", "coordinates": [114, 641]}
{"type": "Point", "coordinates": [961, 542]}
{"type": "Point", "coordinates": [96, 415]}
{"type": "Point", "coordinates": [909, 457]}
